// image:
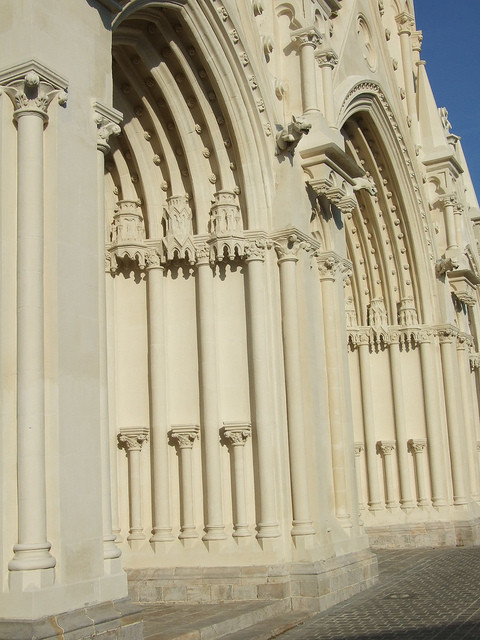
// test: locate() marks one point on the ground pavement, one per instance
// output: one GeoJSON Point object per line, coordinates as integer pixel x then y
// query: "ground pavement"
{"type": "Point", "coordinates": [426, 594]}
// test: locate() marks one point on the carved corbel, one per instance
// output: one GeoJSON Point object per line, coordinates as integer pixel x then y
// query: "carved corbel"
{"type": "Point", "coordinates": [108, 124]}
{"type": "Point", "coordinates": [289, 137]}
{"type": "Point", "coordinates": [443, 265]}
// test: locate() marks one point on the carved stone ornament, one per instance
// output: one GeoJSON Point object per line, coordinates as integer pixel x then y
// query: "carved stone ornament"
{"type": "Point", "coordinates": [132, 438]}
{"type": "Point", "coordinates": [183, 436]}
{"type": "Point", "coordinates": [407, 314]}
{"type": "Point", "coordinates": [464, 284]}
{"type": "Point", "coordinates": [405, 22]}
{"type": "Point", "coordinates": [443, 265]}
{"type": "Point", "coordinates": [290, 136]}
{"type": "Point", "coordinates": [128, 233]}
{"type": "Point", "coordinates": [108, 123]}
{"type": "Point", "coordinates": [386, 447]}
{"type": "Point", "coordinates": [307, 36]}
{"type": "Point", "coordinates": [32, 87]}
{"type": "Point", "coordinates": [178, 240]}
{"type": "Point", "coordinates": [236, 434]}
{"type": "Point", "coordinates": [326, 58]}
{"type": "Point", "coordinates": [288, 247]}
{"type": "Point", "coordinates": [329, 265]}
{"type": "Point", "coordinates": [417, 446]}
{"type": "Point", "coordinates": [365, 183]}
{"type": "Point", "coordinates": [358, 448]}
{"type": "Point", "coordinates": [258, 8]}
{"type": "Point", "coordinates": [474, 361]}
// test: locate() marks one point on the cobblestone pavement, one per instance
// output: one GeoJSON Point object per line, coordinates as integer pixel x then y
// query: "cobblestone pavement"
{"type": "Point", "coordinates": [422, 594]}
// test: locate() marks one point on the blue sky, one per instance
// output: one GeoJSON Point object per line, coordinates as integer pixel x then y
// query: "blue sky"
{"type": "Point", "coordinates": [451, 47]}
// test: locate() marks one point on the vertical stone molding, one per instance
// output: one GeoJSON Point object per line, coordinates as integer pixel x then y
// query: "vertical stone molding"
{"type": "Point", "coordinates": [31, 88]}
{"type": "Point", "coordinates": [358, 448]}
{"type": "Point", "coordinates": [183, 436]}
{"type": "Point", "coordinates": [255, 250]}
{"type": "Point", "coordinates": [161, 528]}
{"type": "Point", "coordinates": [385, 448]}
{"type": "Point", "coordinates": [107, 121]}
{"type": "Point", "coordinates": [329, 268]}
{"type": "Point", "coordinates": [405, 23]}
{"type": "Point", "coordinates": [236, 436]}
{"type": "Point", "coordinates": [307, 40]}
{"type": "Point", "coordinates": [432, 417]}
{"type": "Point", "coordinates": [287, 249]}
{"type": "Point", "coordinates": [455, 422]}
{"type": "Point", "coordinates": [132, 439]}
{"type": "Point", "coordinates": [209, 410]}
{"type": "Point", "coordinates": [374, 501]}
{"type": "Point", "coordinates": [417, 448]}
{"type": "Point", "coordinates": [326, 60]}
{"type": "Point", "coordinates": [469, 413]}
{"type": "Point", "coordinates": [406, 497]}
{"type": "Point", "coordinates": [449, 202]}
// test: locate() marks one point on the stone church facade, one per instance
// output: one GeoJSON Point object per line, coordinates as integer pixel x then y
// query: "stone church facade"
{"type": "Point", "coordinates": [239, 307]}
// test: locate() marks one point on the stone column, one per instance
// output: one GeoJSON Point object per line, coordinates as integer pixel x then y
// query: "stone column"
{"type": "Point", "coordinates": [31, 87]}
{"type": "Point", "coordinates": [456, 433]}
{"type": "Point", "coordinates": [449, 201]}
{"type": "Point", "coordinates": [207, 363]}
{"type": "Point", "coordinates": [374, 501]}
{"type": "Point", "coordinates": [262, 392]}
{"type": "Point", "coordinates": [432, 417]}
{"type": "Point", "coordinates": [385, 448]}
{"type": "Point", "coordinates": [405, 23]}
{"type": "Point", "coordinates": [327, 59]}
{"type": "Point", "coordinates": [107, 121]}
{"type": "Point", "coordinates": [307, 40]}
{"type": "Point", "coordinates": [184, 436]}
{"type": "Point", "coordinates": [359, 447]}
{"type": "Point", "coordinates": [406, 498]}
{"type": "Point", "coordinates": [161, 529]}
{"type": "Point", "coordinates": [469, 414]}
{"type": "Point", "coordinates": [236, 435]}
{"type": "Point", "coordinates": [287, 250]}
{"type": "Point", "coordinates": [417, 447]}
{"type": "Point", "coordinates": [132, 439]}
{"type": "Point", "coordinates": [328, 268]}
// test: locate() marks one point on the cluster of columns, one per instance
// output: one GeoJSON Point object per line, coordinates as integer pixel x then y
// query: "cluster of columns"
{"type": "Point", "coordinates": [453, 357]}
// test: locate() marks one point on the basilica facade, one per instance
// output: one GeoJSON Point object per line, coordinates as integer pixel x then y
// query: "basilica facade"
{"type": "Point", "coordinates": [239, 307]}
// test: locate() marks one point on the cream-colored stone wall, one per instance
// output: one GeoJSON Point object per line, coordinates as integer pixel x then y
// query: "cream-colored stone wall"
{"type": "Point", "coordinates": [250, 274]}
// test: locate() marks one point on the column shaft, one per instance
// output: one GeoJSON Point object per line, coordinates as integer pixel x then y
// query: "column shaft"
{"type": "Point", "coordinates": [433, 422]}
{"type": "Point", "coordinates": [214, 526]}
{"type": "Point", "coordinates": [406, 498]}
{"type": "Point", "coordinates": [162, 529]}
{"type": "Point", "coordinates": [302, 524]}
{"type": "Point", "coordinates": [374, 501]}
{"type": "Point", "coordinates": [262, 393]}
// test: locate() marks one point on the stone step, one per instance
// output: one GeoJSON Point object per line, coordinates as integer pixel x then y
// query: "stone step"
{"type": "Point", "coordinates": [270, 628]}
{"type": "Point", "coordinates": [212, 621]}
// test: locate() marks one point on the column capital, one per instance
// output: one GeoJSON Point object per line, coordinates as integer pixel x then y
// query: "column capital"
{"type": "Point", "coordinates": [153, 259]}
{"type": "Point", "coordinates": [405, 22]}
{"type": "Point", "coordinates": [326, 58]}
{"type": "Point", "coordinates": [329, 265]}
{"type": "Point", "coordinates": [32, 87]}
{"type": "Point", "coordinates": [288, 245]}
{"type": "Point", "coordinates": [386, 447]}
{"type": "Point", "coordinates": [236, 433]}
{"type": "Point", "coordinates": [202, 253]}
{"type": "Point", "coordinates": [108, 123]}
{"type": "Point", "coordinates": [449, 199]}
{"type": "Point", "coordinates": [132, 438]}
{"type": "Point", "coordinates": [256, 249]}
{"type": "Point", "coordinates": [447, 334]}
{"type": "Point", "coordinates": [307, 36]}
{"type": "Point", "coordinates": [425, 335]}
{"type": "Point", "coordinates": [417, 446]}
{"type": "Point", "coordinates": [183, 436]}
{"type": "Point", "coordinates": [358, 448]}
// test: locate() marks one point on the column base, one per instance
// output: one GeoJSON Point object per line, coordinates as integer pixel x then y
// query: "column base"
{"type": "Point", "coordinates": [32, 556]}
{"type": "Point", "coordinates": [241, 531]}
{"type": "Point", "coordinates": [31, 580]}
{"type": "Point", "coordinates": [188, 533]}
{"type": "Point", "coordinates": [302, 528]}
{"type": "Point", "coordinates": [162, 534]}
{"type": "Point", "coordinates": [110, 549]}
{"type": "Point", "coordinates": [214, 532]}
{"type": "Point", "coordinates": [267, 530]}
